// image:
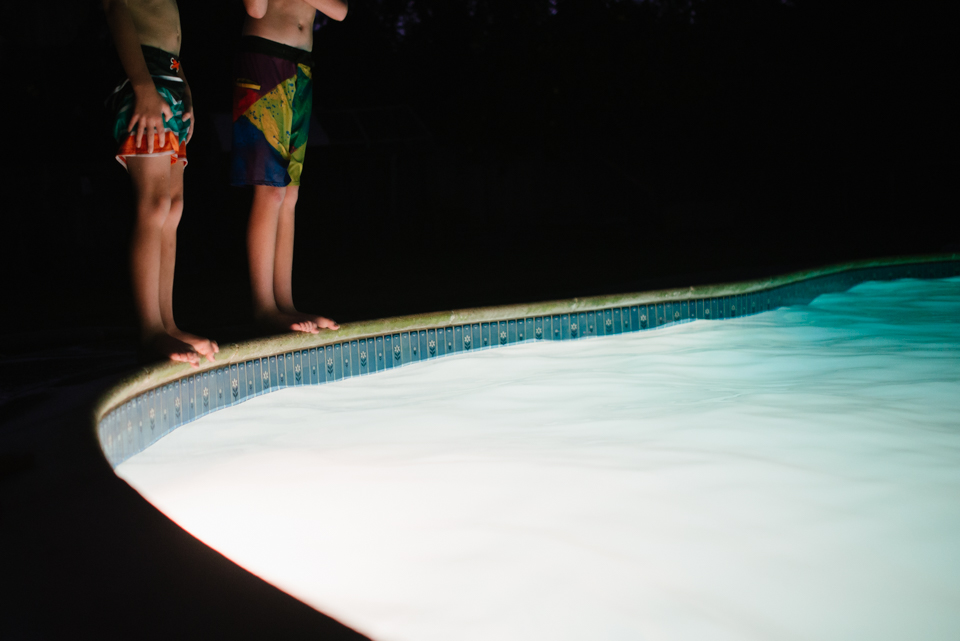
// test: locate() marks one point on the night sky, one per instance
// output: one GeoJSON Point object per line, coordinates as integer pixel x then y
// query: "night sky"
{"type": "Point", "coordinates": [483, 152]}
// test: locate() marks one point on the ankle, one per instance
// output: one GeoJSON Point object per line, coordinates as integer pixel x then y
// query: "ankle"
{"type": "Point", "coordinates": [151, 332]}
{"type": "Point", "coordinates": [265, 311]}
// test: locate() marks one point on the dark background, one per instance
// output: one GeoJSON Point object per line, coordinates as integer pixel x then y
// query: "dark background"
{"type": "Point", "coordinates": [482, 152]}
{"type": "Point", "coordinates": [477, 152]}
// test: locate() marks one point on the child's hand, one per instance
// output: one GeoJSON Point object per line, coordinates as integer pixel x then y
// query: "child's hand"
{"type": "Point", "coordinates": [187, 116]}
{"type": "Point", "coordinates": [149, 112]}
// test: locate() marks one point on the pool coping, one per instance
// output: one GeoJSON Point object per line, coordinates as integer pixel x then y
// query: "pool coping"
{"type": "Point", "coordinates": [666, 306]}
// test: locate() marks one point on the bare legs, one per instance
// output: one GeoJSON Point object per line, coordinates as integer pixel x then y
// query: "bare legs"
{"type": "Point", "coordinates": [270, 249]}
{"type": "Point", "coordinates": [158, 189]}
{"type": "Point", "coordinates": [168, 261]}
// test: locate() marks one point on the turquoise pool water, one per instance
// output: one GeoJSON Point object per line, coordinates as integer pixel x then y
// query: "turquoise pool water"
{"type": "Point", "coordinates": [789, 475]}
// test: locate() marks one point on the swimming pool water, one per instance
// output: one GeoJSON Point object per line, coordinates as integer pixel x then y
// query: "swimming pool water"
{"type": "Point", "coordinates": [790, 475]}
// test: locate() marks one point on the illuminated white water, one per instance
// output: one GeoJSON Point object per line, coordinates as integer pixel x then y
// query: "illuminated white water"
{"type": "Point", "coordinates": [792, 475]}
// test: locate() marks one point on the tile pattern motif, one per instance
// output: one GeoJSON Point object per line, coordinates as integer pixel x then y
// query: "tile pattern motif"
{"type": "Point", "coordinates": [142, 420]}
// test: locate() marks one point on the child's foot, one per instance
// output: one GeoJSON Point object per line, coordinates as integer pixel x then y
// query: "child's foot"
{"type": "Point", "coordinates": [203, 346]}
{"type": "Point", "coordinates": [320, 321]}
{"type": "Point", "coordinates": [165, 346]}
{"type": "Point", "coordinates": [287, 322]}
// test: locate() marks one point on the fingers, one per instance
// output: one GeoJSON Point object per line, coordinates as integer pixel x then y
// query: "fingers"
{"type": "Point", "coordinates": [137, 120]}
{"type": "Point", "coordinates": [187, 118]}
{"type": "Point", "coordinates": [145, 127]}
{"type": "Point", "coordinates": [150, 114]}
{"type": "Point", "coordinates": [150, 137]}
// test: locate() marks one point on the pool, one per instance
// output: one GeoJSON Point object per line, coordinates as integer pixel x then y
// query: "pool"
{"type": "Point", "coordinates": [789, 474]}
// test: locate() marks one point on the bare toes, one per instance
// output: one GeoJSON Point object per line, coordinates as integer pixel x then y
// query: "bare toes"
{"type": "Point", "coordinates": [326, 323]}
{"type": "Point", "coordinates": [190, 358]}
{"type": "Point", "coordinates": [208, 351]}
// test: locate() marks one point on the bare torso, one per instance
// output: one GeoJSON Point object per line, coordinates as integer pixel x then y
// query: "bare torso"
{"type": "Point", "coordinates": [157, 23]}
{"type": "Point", "coordinates": [286, 21]}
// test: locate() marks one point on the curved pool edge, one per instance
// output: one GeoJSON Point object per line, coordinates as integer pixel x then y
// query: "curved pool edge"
{"type": "Point", "coordinates": [155, 400]}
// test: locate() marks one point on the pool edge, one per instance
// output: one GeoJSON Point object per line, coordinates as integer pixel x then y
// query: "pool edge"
{"type": "Point", "coordinates": [162, 397]}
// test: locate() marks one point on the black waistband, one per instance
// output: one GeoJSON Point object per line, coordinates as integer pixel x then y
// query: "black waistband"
{"type": "Point", "coordinates": [256, 44]}
{"type": "Point", "coordinates": [160, 62]}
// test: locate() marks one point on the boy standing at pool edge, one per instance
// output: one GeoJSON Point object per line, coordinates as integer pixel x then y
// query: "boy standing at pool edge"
{"type": "Point", "coordinates": [153, 123]}
{"type": "Point", "coordinates": [273, 96]}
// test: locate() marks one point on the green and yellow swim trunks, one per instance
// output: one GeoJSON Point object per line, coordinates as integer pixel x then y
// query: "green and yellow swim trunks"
{"type": "Point", "coordinates": [272, 99]}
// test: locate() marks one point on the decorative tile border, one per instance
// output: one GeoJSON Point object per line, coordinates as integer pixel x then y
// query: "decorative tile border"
{"type": "Point", "coordinates": [157, 400]}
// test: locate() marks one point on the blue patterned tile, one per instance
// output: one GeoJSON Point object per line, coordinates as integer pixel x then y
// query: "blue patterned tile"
{"type": "Point", "coordinates": [257, 377]}
{"type": "Point", "coordinates": [450, 340]}
{"type": "Point", "coordinates": [236, 388]}
{"type": "Point", "coordinates": [222, 385]}
{"type": "Point", "coordinates": [300, 377]}
{"type": "Point", "coordinates": [289, 374]}
{"type": "Point", "coordinates": [557, 327]}
{"type": "Point", "coordinates": [337, 357]}
{"type": "Point", "coordinates": [280, 380]}
{"type": "Point", "coordinates": [423, 347]}
{"type": "Point", "coordinates": [311, 367]}
{"type": "Point", "coordinates": [353, 366]}
{"type": "Point", "coordinates": [188, 398]}
{"type": "Point", "coordinates": [273, 381]}
{"type": "Point", "coordinates": [388, 353]}
{"type": "Point", "coordinates": [417, 343]}
{"type": "Point", "coordinates": [457, 339]}
{"type": "Point", "coordinates": [364, 355]}
{"type": "Point", "coordinates": [476, 336]}
{"type": "Point", "coordinates": [178, 413]}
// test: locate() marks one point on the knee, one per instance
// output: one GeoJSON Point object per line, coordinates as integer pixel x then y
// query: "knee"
{"type": "Point", "coordinates": [154, 208]}
{"type": "Point", "coordinates": [272, 197]}
{"type": "Point", "coordinates": [176, 210]}
{"type": "Point", "coordinates": [289, 206]}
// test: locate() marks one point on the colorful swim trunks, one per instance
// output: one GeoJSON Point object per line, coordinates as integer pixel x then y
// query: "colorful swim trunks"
{"type": "Point", "coordinates": [272, 99]}
{"type": "Point", "coordinates": [163, 68]}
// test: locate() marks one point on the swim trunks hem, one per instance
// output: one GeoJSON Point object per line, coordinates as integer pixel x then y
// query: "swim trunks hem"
{"type": "Point", "coordinates": [263, 183]}
{"type": "Point", "coordinates": [122, 158]}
